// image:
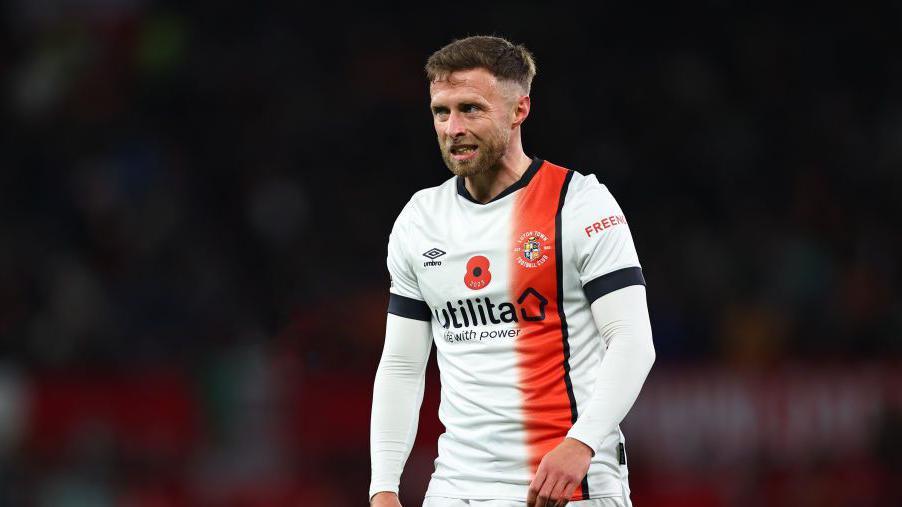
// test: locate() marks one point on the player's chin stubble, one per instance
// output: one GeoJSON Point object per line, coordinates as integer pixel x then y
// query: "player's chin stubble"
{"type": "Point", "coordinates": [486, 159]}
{"type": "Point", "coordinates": [467, 167]}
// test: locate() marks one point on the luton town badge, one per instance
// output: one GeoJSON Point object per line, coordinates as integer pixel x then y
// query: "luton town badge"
{"type": "Point", "coordinates": [532, 249]}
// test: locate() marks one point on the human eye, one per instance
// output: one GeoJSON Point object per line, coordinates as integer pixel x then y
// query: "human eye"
{"type": "Point", "coordinates": [440, 112]}
{"type": "Point", "coordinates": [469, 108]}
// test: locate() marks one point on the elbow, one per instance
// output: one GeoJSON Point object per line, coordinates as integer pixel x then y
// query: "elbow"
{"type": "Point", "coordinates": [650, 354]}
{"type": "Point", "coordinates": [400, 368]}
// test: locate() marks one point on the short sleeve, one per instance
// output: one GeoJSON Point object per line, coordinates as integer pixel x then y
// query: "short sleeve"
{"type": "Point", "coordinates": [606, 257]}
{"type": "Point", "coordinates": [405, 299]}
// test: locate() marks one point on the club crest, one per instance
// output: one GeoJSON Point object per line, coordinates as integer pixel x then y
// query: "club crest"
{"type": "Point", "coordinates": [531, 249]}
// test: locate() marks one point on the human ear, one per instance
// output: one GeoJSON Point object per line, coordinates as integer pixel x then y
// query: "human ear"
{"type": "Point", "coordinates": [521, 110]}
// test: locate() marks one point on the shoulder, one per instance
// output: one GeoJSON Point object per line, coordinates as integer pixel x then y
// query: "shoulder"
{"type": "Point", "coordinates": [428, 198]}
{"type": "Point", "coordinates": [424, 202]}
{"type": "Point", "coordinates": [589, 207]}
{"type": "Point", "coordinates": [586, 187]}
{"type": "Point", "coordinates": [580, 185]}
{"type": "Point", "coordinates": [584, 193]}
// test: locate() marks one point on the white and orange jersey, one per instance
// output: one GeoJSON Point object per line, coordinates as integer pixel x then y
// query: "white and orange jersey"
{"type": "Point", "coordinates": [507, 286]}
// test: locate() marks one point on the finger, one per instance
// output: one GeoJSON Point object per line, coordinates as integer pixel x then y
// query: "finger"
{"type": "Point", "coordinates": [568, 491]}
{"type": "Point", "coordinates": [533, 494]}
{"type": "Point", "coordinates": [545, 499]}
{"type": "Point", "coordinates": [534, 487]}
{"type": "Point", "coordinates": [558, 493]}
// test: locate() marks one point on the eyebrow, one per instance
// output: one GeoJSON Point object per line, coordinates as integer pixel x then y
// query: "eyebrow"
{"type": "Point", "coordinates": [470, 101]}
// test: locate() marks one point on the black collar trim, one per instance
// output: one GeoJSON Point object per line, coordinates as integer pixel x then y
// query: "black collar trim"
{"type": "Point", "coordinates": [522, 182]}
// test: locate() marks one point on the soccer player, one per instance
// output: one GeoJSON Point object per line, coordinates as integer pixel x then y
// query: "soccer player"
{"type": "Point", "coordinates": [525, 276]}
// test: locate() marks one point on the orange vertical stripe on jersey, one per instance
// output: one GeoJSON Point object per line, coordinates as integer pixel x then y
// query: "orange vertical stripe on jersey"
{"type": "Point", "coordinates": [548, 409]}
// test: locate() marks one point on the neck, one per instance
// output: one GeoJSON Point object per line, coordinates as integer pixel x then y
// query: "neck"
{"type": "Point", "coordinates": [486, 185]}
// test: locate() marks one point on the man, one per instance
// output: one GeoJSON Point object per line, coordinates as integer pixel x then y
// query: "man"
{"type": "Point", "coordinates": [525, 276]}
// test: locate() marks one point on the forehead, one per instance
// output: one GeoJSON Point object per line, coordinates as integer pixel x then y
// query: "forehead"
{"type": "Point", "coordinates": [465, 83]}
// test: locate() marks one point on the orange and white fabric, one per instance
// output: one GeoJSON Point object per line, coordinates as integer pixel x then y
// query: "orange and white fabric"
{"type": "Point", "coordinates": [437, 501]}
{"type": "Point", "coordinates": [524, 297]}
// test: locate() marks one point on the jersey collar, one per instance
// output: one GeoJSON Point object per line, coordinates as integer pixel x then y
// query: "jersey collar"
{"type": "Point", "coordinates": [522, 182]}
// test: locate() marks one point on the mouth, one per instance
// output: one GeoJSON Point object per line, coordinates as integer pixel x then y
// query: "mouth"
{"type": "Point", "coordinates": [463, 152]}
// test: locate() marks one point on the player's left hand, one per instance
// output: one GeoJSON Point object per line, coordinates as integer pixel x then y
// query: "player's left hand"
{"type": "Point", "coordinates": [559, 473]}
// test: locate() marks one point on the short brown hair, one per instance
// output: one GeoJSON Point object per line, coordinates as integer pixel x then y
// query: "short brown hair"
{"type": "Point", "coordinates": [503, 59]}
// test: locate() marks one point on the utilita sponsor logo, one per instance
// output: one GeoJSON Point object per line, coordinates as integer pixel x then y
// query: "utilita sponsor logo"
{"type": "Point", "coordinates": [482, 311]}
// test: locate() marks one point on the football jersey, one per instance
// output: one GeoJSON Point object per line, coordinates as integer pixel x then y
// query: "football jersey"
{"type": "Point", "coordinates": [507, 286]}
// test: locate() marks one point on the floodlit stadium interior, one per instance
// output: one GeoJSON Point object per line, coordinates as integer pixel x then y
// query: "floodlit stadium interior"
{"type": "Point", "coordinates": [195, 203]}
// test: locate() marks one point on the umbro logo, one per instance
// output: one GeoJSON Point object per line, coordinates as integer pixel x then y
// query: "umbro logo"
{"type": "Point", "coordinates": [433, 253]}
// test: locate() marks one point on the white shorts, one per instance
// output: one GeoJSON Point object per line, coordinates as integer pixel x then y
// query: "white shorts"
{"type": "Point", "coordinates": [440, 501]}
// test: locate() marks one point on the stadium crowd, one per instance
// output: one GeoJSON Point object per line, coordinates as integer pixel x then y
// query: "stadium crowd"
{"type": "Point", "coordinates": [196, 201]}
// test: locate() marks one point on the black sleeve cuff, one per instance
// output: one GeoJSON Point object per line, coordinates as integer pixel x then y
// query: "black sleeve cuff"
{"type": "Point", "coordinates": [605, 284]}
{"type": "Point", "coordinates": [408, 307]}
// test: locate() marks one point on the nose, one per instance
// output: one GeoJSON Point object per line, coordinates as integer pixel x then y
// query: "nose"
{"type": "Point", "coordinates": [454, 127]}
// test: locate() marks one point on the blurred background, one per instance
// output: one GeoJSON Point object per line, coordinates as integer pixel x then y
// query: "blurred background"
{"type": "Point", "coordinates": [195, 201]}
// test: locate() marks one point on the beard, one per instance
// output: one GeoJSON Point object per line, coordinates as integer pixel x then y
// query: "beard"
{"type": "Point", "coordinates": [488, 153]}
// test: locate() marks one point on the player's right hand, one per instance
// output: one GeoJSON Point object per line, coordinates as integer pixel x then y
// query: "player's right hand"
{"type": "Point", "coordinates": [385, 499]}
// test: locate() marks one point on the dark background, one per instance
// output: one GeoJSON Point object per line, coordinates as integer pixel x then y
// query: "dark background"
{"type": "Point", "coordinates": [195, 201]}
